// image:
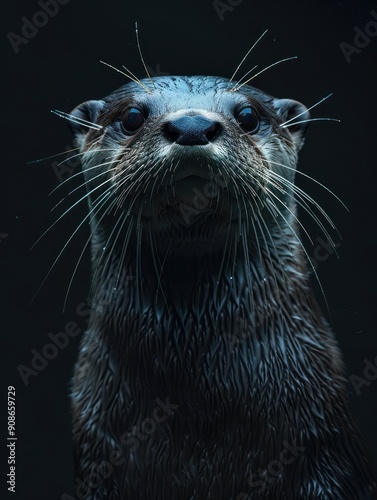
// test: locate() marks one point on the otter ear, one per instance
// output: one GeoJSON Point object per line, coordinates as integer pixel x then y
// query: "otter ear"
{"type": "Point", "coordinates": [293, 112]}
{"type": "Point", "coordinates": [84, 119]}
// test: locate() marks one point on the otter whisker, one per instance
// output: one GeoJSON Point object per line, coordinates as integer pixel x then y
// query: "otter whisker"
{"type": "Point", "coordinates": [307, 109]}
{"type": "Point", "coordinates": [271, 193]}
{"type": "Point", "coordinates": [86, 196]}
{"type": "Point", "coordinates": [246, 254]}
{"type": "Point", "coordinates": [259, 219]}
{"type": "Point", "coordinates": [134, 77]}
{"type": "Point", "coordinates": [141, 55]}
{"type": "Point", "coordinates": [123, 196]}
{"type": "Point", "coordinates": [85, 183]}
{"type": "Point", "coordinates": [159, 271]}
{"type": "Point", "coordinates": [237, 87]}
{"type": "Point", "coordinates": [302, 203]}
{"type": "Point", "coordinates": [125, 175]}
{"type": "Point", "coordinates": [256, 235]}
{"type": "Point", "coordinates": [300, 199]}
{"type": "Point", "coordinates": [123, 254]}
{"type": "Point", "coordinates": [98, 222]}
{"type": "Point", "coordinates": [272, 209]}
{"type": "Point", "coordinates": [312, 179]}
{"type": "Point", "coordinates": [248, 73]}
{"type": "Point", "coordinates": [73, 176]}
{"type": "Point", "coordinates": [76, 119]}
{"type": "Point", "coordinates": [125, 179]}
{"type": "Point", "coordinates": [241, 228]}
{"type": "Point", "coordinates": [156, 178]}
{"type": "Point", "coordinates": [105, 258]}
{"type": "Point", "coordinates": [269, 200]}
{"type": "Point", "coordinates": [297, 190]}
{"type": "Point", "coordinates": [311, 120]}
{"type": "Point", "coordinates": [225, 248]}
{"type": "Point", "coordinates": [107, 255]}
{"type": "Point", "coordinates": [99, 150]}
{"type": "Point", "coordinates": [101, 201]}
{"type": "Point", "coordinates": [55, 156]}
{"type": "Point", "coordinates": [244, 58]}
{"type": "Point", "coordinates": [131, 76]}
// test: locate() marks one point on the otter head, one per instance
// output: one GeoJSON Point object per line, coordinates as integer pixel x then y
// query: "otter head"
{"type": "Point", "coordinates": [189, 159]}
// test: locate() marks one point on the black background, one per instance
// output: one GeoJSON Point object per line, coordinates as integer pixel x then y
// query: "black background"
{"type": "Point", "coordinates": [59, 68]}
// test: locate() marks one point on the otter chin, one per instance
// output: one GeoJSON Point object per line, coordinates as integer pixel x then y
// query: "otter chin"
{"type": "Point", "coordinates": [208, 370]}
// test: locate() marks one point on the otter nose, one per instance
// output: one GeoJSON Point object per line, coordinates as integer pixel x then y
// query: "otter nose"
{"type": "Point", "coordinates": [192, 130]}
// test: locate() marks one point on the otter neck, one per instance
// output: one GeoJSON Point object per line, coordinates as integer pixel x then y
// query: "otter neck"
{"type": "Point", "coordinates": [149, 279]}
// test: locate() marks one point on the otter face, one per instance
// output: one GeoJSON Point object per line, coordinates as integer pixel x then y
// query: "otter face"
{"type": "Point", "coordinates": [188, 157]}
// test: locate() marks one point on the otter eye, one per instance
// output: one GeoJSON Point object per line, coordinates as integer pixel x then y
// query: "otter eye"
{"type": "Point", "coordinates": [132, 120]}
{"type": "Point", "coordinates": [248, 119]}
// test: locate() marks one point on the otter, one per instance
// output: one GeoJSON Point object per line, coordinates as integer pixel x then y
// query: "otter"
{"type": "Point", "coordinates": [208, 370]}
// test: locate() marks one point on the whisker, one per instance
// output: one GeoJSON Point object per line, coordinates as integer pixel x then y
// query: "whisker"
{"type": "Point", "coordinates": [72, 176]}
{"type": "Point", "coordinates": [161, 270]}
{"type": "Point", "coordinates": [83, 251]}
{"type": "Point", "coordinates": [305, 252]}
{"type": "Point", "coordinates": [86, 182]}
{"type": "Point", "coordinates": [68, 210]}
{"type": "Point", "coordinates": [131, 76]}
{"type": "Point", "coordinates": [247, 73]}
{"type": "Point", "coordinates": [76, 119]}
{"type": "Point", "coordinates": [306, 110]}
{"type": "Point", "coordinates": [101, 201]}
{"type": "Point", "coordinates": [289, 210]}
{"type": "Point", "coordinates": [237, 87]}
{"type": "Point", "coordinates": [313, 180]}
{"type": "Point", "coordinates": [254, 218]}
{"type": "Point", "coordinates": [225, 247]}
{"type": "Point", "coordinates": [283, 276]}
{"type": "Point", "coordinates": [311, 120]}
{"type": "Point", "coordinates": [53, 156]}
{"type": "Point", "coordinates": [99, 268]}
{"type": "Point", "coordinates": [141, 54]}
{"type": "Point", "coordinates": [126, 241]}
{"type": "Point", "coordinates": [247, 53]}
{"type": "Point", "coordinates": [302, 197]}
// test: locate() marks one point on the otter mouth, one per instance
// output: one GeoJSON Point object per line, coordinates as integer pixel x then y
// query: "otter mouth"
{"type": "Point", "coordinates": [191, 199]}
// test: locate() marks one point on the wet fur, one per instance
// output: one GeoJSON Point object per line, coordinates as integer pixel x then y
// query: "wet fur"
{"type": "Point", "coordinates": [216, 317]}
